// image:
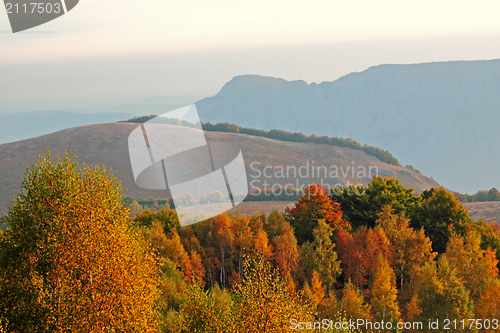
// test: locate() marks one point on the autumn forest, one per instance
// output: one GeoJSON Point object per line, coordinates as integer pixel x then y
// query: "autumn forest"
{"type": "Point", "coordinates": [73, 259]}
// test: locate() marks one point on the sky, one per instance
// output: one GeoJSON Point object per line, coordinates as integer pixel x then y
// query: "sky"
{"type": "Point", "coordinates": [106, 54]}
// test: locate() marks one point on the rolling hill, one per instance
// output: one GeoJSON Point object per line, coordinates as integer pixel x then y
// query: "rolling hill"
{"type": "Point", "coordinates": [440, 117]}
{"type": "Point", "coordinates": [106, 144]}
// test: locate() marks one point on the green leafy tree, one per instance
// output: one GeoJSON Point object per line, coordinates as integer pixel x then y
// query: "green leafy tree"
{"type": "Point", "coordinates": [362, 204]}
{"type": "Point", "coordinates": [439, 213]}
{"type": "Point", "coordinates": [493, 195]}
{"type": "Point", "coordinates": [320, 256]}
{"type": "Point", "coordinates": [166, 217]}
{"type": "Point", "coordinates": [275, 224]}
{"type": "Point", "coordinates": [173, 288]}
{"type": "Point", "coordinates": [480, 196]}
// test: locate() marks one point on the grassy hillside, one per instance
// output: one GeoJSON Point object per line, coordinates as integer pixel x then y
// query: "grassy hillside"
{"type": "Point", "coordinates": [281, 135]}
{"type": "Point", "coordinates": [106, 144]}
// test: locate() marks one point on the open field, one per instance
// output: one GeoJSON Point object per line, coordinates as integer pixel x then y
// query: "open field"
{"type": "Point", "coordinates": [265, 207]}
{"type": "Point", "coordinates": [485, 210]}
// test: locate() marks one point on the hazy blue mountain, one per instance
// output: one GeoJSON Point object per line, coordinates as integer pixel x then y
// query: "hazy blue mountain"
{"type": "Point", "coordinates": [20, 126]}
{"type": "Point", "coordinates": [442, 118]}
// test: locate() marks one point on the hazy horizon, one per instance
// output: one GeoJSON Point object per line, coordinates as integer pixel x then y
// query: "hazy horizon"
{"type": "Point", "coordinates": [99, 54]}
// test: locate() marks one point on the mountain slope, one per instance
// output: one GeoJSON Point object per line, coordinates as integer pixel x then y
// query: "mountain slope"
{"type": "Point", "coordinates": [106, 144]}
{"type": "Point", "coordinates": [440, 117]}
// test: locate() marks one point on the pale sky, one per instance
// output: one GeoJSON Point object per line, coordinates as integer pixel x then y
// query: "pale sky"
{"type": "Point", "coordinates": [113, 51]}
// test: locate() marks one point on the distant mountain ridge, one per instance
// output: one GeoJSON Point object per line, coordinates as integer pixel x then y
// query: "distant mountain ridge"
{"type": "Point", "coordinates": [440, 117]}
{"type": "Point", "coordinates": [20, 126]}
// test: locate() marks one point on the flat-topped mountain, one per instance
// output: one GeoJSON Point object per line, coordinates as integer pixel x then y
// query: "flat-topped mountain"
{"type": "Point", "coordinates": [442, 118]}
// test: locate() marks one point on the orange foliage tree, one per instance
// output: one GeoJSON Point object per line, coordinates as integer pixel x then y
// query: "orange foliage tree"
{"type": "Point", "coordinates": [488, 306]}
{"type": "Point", "coordinates": [353, 303]}
{"type": "Point", "coordinates": [474, 265]}
{"type": "Point", "coordinates": [442, 294]}
{"type": "Point", "coordinates": [224, 238]}
{"type": "Point", "coordinates": [315, 293]}
{"type": "Point", "coordinates": [286, 251]}
{"type": "Point", "coordinates": [314, 205]}
{"type": "Point", "coordinates": [411, 249]}
{"type": "Point", "coordinates": [263, 302]}
{"type": "Point", "coordinates": [243, 240]}
{"type": "Point", "coordinates": [70, 260]}
{"type": "Point", "coordinates": [384, 293]}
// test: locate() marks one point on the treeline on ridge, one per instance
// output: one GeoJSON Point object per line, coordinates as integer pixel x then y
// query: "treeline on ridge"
{"type": "Point", "coordinates": [480, 196]}
{"type": "Point", "coordinates": [281, 135]}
